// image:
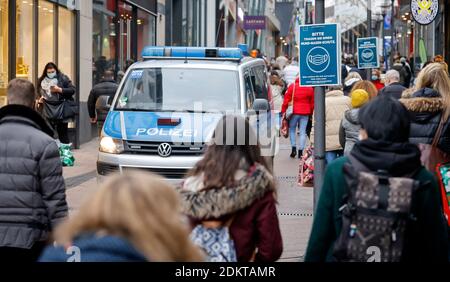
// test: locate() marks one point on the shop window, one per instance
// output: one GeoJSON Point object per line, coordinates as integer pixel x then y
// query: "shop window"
{"type": "Point", "coordinates": [66, 42]}
{"type": "Point", "coordinates": [104, 39]}
{"type": "Point", "coordinates": [25, 40]}
{"type": "Point", "coordinates": [46, 35]}
{"type": "Point", "coordinates": [146, 25]}
{"type": "Point", "coordinates": [125, 20]}
{"type": "Point", "coordinates": [3, 50]}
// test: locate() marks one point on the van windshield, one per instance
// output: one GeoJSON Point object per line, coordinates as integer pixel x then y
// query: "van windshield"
{"type": "Point", "coordinates": [177, 89]}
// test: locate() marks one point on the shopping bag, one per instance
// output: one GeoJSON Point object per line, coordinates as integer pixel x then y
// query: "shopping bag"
{"type": "Point", "coordinates": [284, 127]}
{"type": "Point", "coordinates": [66, 155]}
{"type": "Point", "coordinates": [306, 168]}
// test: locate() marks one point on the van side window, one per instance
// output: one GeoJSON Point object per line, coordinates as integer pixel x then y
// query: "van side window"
{"type": "Point", "coordinates": [249, 92]}
{"type": "Point", "coordinates": [260, 83]}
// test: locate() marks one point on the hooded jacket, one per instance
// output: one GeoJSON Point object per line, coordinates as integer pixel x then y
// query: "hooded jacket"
{"type": "Point", "coordinates": [426, 108]}
{"type": "Point", "coordinates": [255, 226]}
{"type": "Point", "coordinates": [94, 248]}
{"type": "Point", "coordinates": [336, 105]}
{"type": "Point", "coordinates": [32, 190]}
{"type": "Point", "coordinates": [303, 99]}
{"type": "Point", "coordinates": [349, 131]}
{"type": "Point", "coordinates": [425, 239]}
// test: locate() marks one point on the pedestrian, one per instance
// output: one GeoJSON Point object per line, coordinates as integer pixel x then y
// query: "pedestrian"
{"type": "Point", "coordinates": [56, 90]}
{"type": "Point", "coordinates": [376, 79]}
{"type": "Point", "coordinates": [277, 87]}
{"type": "Point", "coordinates": [350, 126]}
{"type": "Point", "coordinates": [291, 71]}
{"type": "Point", "coordinates": [232, 192]}
{"type": "Point", "coordinates": [429, 105]}
{"type": "Point", "coordinates": [398, 66]}
{"type": "Point", "coordinates": [408, 72]}
{"type": "Point", "coordinates": [100, 98]}
{"type": "Point", "coordinates": [393, 87]}
{"type": "Point", "coordinates": [32, 190]}
{"type": "Point", "coordinates": [349, 82]}
{"type": "Point", "coordinates": [367, 86]}
{"type": "Point", "coordinates": [300, 101]}
{"type": "Point", "coordinates": [336, 104]}
{"type": "Point", "coordinates": [133, 217]}
{"type": "Point", "coordinates": [383, 150]}
{"type": "Point", "coordinates": [282, 61]}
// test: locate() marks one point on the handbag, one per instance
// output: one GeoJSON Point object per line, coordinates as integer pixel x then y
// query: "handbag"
{"type": "Point", "coordinates": [53, 110]}
{"type": "Point", "coordinates": [432, 156]}
{"type": "Point", "coordinates": [306, 168]}
{"type": "Point", "coordinates": [70, 109]}
{"type": "Point", "coordinates": [284, 127]}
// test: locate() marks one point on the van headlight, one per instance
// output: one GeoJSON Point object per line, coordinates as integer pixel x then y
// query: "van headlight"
{"type": "Point", "coordinates": [111, 145]}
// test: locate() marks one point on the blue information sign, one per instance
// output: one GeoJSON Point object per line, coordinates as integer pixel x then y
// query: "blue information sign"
{"type": "Point", "coordinates": [320, 55]}
{"type": "Point", "coordinates": [368, 53]}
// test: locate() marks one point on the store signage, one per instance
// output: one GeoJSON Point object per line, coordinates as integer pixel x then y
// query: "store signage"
{"type": "Point", "coordinates": [320, 55]}
{"type": "Point", "coordinates": [424, 12]}
{"type": "Point", "coordinates": [368, 53]}
{"type": "Point", "coordinates": [254, 22]}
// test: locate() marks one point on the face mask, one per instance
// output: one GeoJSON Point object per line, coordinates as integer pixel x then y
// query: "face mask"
{"type": "Point", "coordinates": [51, 75]}
{"type": "Point", "coordinates": [374, 77]}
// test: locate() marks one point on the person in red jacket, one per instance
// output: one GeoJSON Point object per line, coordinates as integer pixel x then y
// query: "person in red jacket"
{"type": "Point", "coordinates": [233, 187]}
{"type": "Point", "coordinates": [302, 99]}
{"type": "Point", "coordinates": [376, 79]}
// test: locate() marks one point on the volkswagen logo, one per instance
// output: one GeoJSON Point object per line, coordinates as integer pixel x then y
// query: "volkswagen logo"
{"type": "Point", "coordinates": [164, 150]}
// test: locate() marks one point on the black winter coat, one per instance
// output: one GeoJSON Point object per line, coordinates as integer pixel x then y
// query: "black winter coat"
{"type": "Point", "coordinates": [32, 189]}
{"type": "Point", "coordinates": [394, 90]}
{"type": "Point", "coordinates": [426, 108]}
{"type": "Point", "coordinates": [104, 88]}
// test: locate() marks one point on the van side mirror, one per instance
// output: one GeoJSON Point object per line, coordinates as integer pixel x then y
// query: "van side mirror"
{"type": "Point", "coordinates": [261, 105]}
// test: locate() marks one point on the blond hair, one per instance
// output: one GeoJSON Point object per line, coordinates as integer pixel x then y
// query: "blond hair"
{"type": "Point", "coordinates": [352, 75]}
{"type": "Point", "coordinates": [436, 77]}
{"type": "Point", "coordinates": [140, 208]}
{"type": "Point", "coordinates": [368, 86]}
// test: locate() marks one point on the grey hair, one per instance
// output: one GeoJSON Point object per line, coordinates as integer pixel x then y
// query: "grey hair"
{"type": "Point", "coordinates": [21, 92]}
{"type": "Point", "coordinates": [393, 75]}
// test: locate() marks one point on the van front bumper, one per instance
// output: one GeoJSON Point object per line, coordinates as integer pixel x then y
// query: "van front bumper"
{"type": "Point", "coordinates": [171, 168]}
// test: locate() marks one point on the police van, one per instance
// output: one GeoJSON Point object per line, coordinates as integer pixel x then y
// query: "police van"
{"type": "Point", "coordinates": [168, 105]}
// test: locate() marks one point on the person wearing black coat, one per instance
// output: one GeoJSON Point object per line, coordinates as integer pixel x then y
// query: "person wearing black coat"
{"type": "Point", "coordinates": [393, 87]}
{"type": "Point", "coordinates": [426, 108]}
{"type": "Point", "coordinates": [32, 190]}
{"type": "Point", "coordinates": [54, 87]}
{"type": "Point", "coordinates": [100, 97]}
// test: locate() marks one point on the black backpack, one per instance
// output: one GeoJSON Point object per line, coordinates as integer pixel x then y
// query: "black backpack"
{"type": "Point", "coordinates": [376, 212]}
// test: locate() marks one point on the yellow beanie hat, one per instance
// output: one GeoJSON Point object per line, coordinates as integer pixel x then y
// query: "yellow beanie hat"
{"type": "Point", "coordinates": [359, 98]}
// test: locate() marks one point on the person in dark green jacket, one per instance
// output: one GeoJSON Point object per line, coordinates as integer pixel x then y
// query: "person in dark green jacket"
{"type": "Point", "coordinates": [384, 145]}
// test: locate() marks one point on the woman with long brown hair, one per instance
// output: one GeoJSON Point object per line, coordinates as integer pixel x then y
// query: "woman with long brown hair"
{"type": "Point", "coordinates": [134, 217]}
{"type": "Point", "coordinates": [231, 190]}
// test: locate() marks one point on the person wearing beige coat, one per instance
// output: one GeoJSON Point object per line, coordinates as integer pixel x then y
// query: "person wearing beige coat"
{"type": "Point", "coordinates": [336, 104]}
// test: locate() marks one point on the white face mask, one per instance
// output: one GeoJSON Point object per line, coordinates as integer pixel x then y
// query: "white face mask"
{"type": "Point", "coordinates": [360, 137]}
{"type": "Point", "coordinates": [51, 75]}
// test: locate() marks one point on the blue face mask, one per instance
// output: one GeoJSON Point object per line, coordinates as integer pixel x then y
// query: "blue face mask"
{"type": "Point", "coordinates": [374, 77]}
{"type": "Point", "coordinates": [51, 75]}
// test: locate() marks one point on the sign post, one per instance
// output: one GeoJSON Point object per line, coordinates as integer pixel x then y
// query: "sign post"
{"type": "Point", "coordinates": [320, 66]}
{"type": "Point", "coordinates": [368, 53]}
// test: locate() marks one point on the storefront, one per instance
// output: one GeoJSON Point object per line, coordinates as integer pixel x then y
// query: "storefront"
{"type": "Point", "coordinates": [421, 42]}
{"type": "Point", "coordinates": [33, 33]}
{"type": "Point", "coordinates": [121, 29]}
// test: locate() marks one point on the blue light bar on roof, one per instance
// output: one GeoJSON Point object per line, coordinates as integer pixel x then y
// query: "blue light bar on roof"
{"type": "Point", "coordinates": [192, 53]}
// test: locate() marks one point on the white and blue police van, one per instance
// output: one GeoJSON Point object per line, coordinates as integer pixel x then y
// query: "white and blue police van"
{"type": "Point", "coordinates": [168, 105]}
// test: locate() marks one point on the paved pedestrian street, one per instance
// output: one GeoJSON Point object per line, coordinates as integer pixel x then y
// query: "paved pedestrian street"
{"type": "Point", "coordinates": [295, 203]}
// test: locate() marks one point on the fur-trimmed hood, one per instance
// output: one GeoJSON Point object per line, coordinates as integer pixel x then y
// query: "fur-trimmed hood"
{"type": "Point", "coordinates": [424, 100]}
{"type": "Point", "coordinates": [216, 203]}
{"type": "Point", "coordinates": [25, 115]}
